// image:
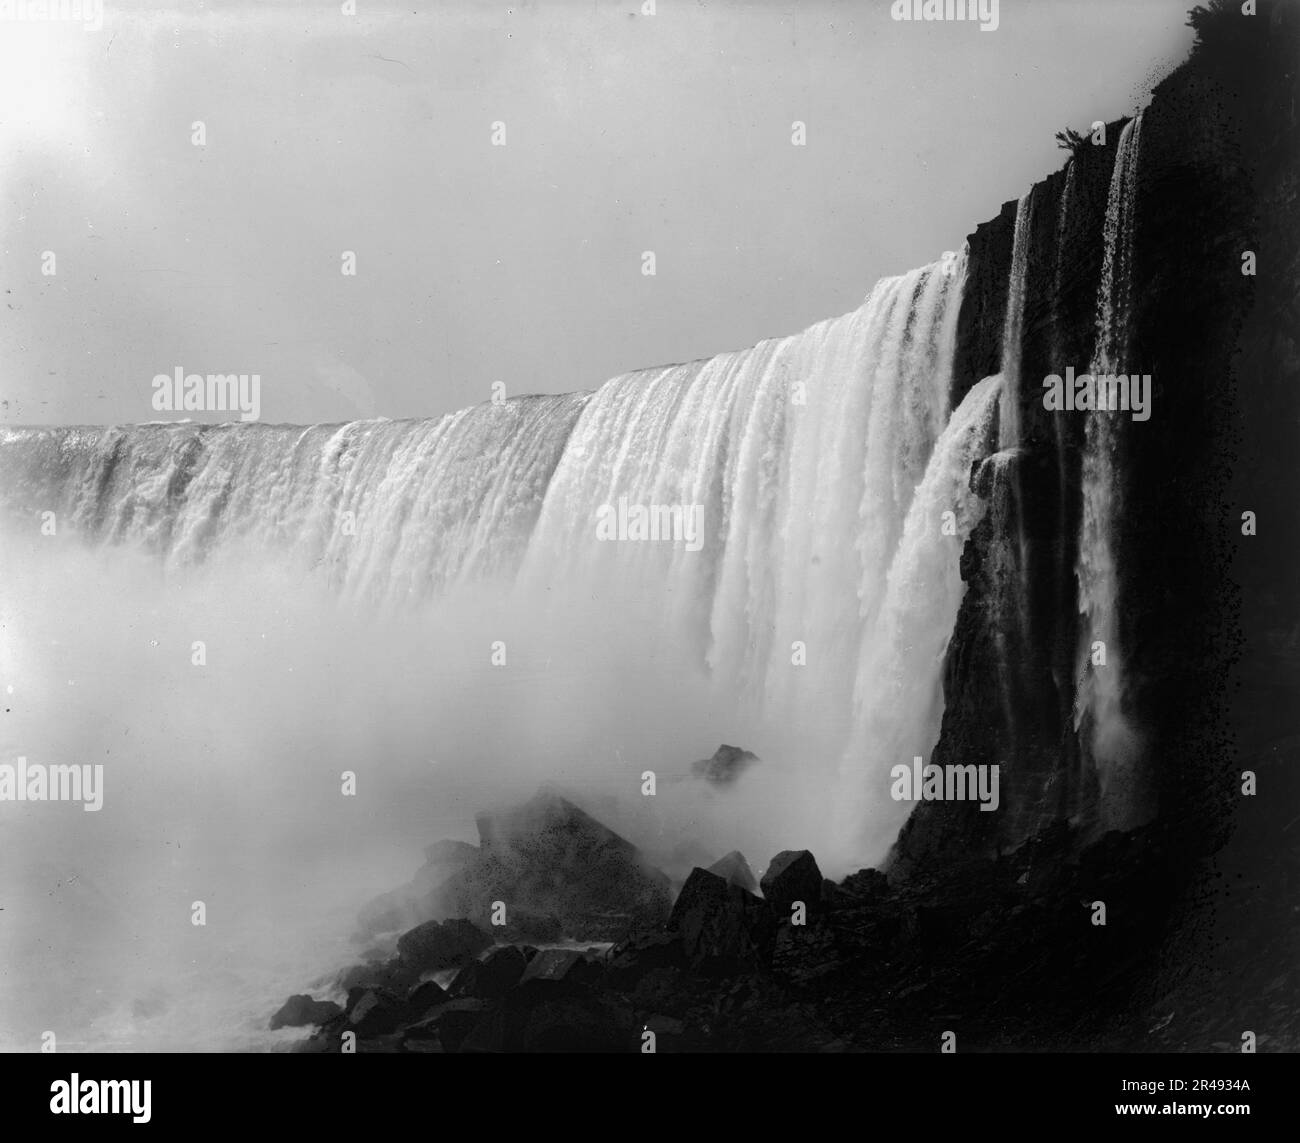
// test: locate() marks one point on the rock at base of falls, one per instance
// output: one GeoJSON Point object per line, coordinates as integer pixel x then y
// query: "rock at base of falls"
{"type": "Point", "coordinates": [735, 870]}
{"type": "Point", "coordinates": [549, 863]}
{"type": "Point", "coordinates": [717, 922]}
{"type": "Point", "coordinates": [792, 876]}
{"type": "Point", "coordinates": [437, 945]}
{"type": "Point", "coordinates": [727, 764]}
{"type": "Point", "coordinates": [301, 1010]}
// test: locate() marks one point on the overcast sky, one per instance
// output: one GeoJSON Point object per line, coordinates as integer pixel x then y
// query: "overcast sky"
{"type": "Point", "coordinates": [521, 263]}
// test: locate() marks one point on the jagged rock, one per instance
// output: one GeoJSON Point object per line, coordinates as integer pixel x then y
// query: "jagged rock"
{"type": "Point", "coordinates": [493, 976]}
{"type": "Point", "coordinates": [726, 765]}
{"type": "Point", "coordinates": [559, 967]}
{"type": "Point", "coordinates": [833, 897]}
{"type": "Point", "coordinates": [792, 876]}
{"type": "Point", "coordinates": [866, 884]}
{"type": "Point", "coordinates": [550, 858]}
{"type": "Point", "coordinates": [804, 953]}
{"type": "Point", "coordinates": [436, 945]}
{"type": "Point", "coordinates": [449, 1023]}
{"type": "Point", "coordinates": [718, 922]}
{"type": "Point", "coordinates": [735, 870]}
{"type": "Point", "coordinates": [300, 1010]}
{"type": "Point", "coordinates": [378, 974]}
{"type": "Point", "coordinates": [426, 995]}
{"type": "Point", "coordinates": [375, 1012]}
{"type": "Point", "coordinates": [641, 953]}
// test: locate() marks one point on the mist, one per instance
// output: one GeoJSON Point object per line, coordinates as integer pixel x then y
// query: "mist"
{"type": "Point", "coordinates": [223, 782]}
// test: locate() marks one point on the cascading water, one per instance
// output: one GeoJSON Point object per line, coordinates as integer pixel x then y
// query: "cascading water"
{"type": "Point", "coordinates": [1015, 632]}
{"type": "Point", "coordinates": [394, 511]}
{"type": "Point", "coordinates": [230, 617]}
{"type": "Point", "coordinates": [803, 456]}
{"type": "Point", "coordinates": [1067, 210]}
{"type": "Point", "coordinates": [1109, 738]}
{"type": "Point", "coordinates": [898, 700]}
{"type": "Point", "coordinates": [1014, 324]}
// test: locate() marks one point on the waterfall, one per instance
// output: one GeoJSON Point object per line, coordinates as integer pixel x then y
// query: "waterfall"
{"type": "Point", "coordinates": [803, 455]}
{"type": "Point", "coordinates": [1014, 323]}
{"type": "Point", "coordinates": [898, 699]}
{"type": "Point", "coordinates": [391, 511]}
{"type": "Point", "coordinates": [1109, 738]}
{"type": "Point", "coordinates": [1068, 194]}
{"type": "Point", "coordinates": [809, 614]}
{"type": "Point", "coordinates": [1009, 427]}
{"type": "Point", "coordinates": [1068, 205]}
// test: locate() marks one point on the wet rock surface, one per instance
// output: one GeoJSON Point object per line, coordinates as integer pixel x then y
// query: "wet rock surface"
{"type": "Point", "coordinates": [1007, 951]}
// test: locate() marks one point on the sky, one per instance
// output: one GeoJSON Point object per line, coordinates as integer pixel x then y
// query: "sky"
{"type": "Point", "coordinates": [130, 250]}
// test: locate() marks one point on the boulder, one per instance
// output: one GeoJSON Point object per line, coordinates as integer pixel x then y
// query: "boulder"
{"type": "Point", "coordinates": [493, 976]}
{"type": "Point", "coordinates": [436, 945]}
{"type": "Point", "coordinates": [726, 765]}
{"type": "Point", "coordinates": [378, 974]}
{"type": "Point", "coordinates": [804, 953]}
{"type": "Point", "coordinates": [449, 1023]}
{"type": "Point", "coordinates": [559, 967]}
{"type": "Point", "coordinates": [735, 870]}
{"type": "Point", "coordinates": [866, 885]}
{"type": "Point", "coordinates": [792, 876]}
{"type": "Point", "coordinates": [375, 1012]}
{"type": "Point", "coordinates": [550, 859]}
{"type": "Point", "coordinates": [301, 1010]}
{"type": "Point", "coordinates": [718, 923]}
{"type": "Point", "coordinates": [425, 996]}
{"type": "Point", "coordinates": [642, 953]}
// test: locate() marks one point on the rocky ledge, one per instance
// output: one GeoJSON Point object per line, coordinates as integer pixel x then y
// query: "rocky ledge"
{"type": "Point", "coordinates": [1048, 946]}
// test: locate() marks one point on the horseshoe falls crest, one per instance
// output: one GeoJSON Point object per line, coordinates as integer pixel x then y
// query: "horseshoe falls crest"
{"type": "Point", "coordinates": [807, 621]}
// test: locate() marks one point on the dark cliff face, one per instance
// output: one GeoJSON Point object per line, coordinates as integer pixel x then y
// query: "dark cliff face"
{"type": "Point", "coordinates": [1209, 623]}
